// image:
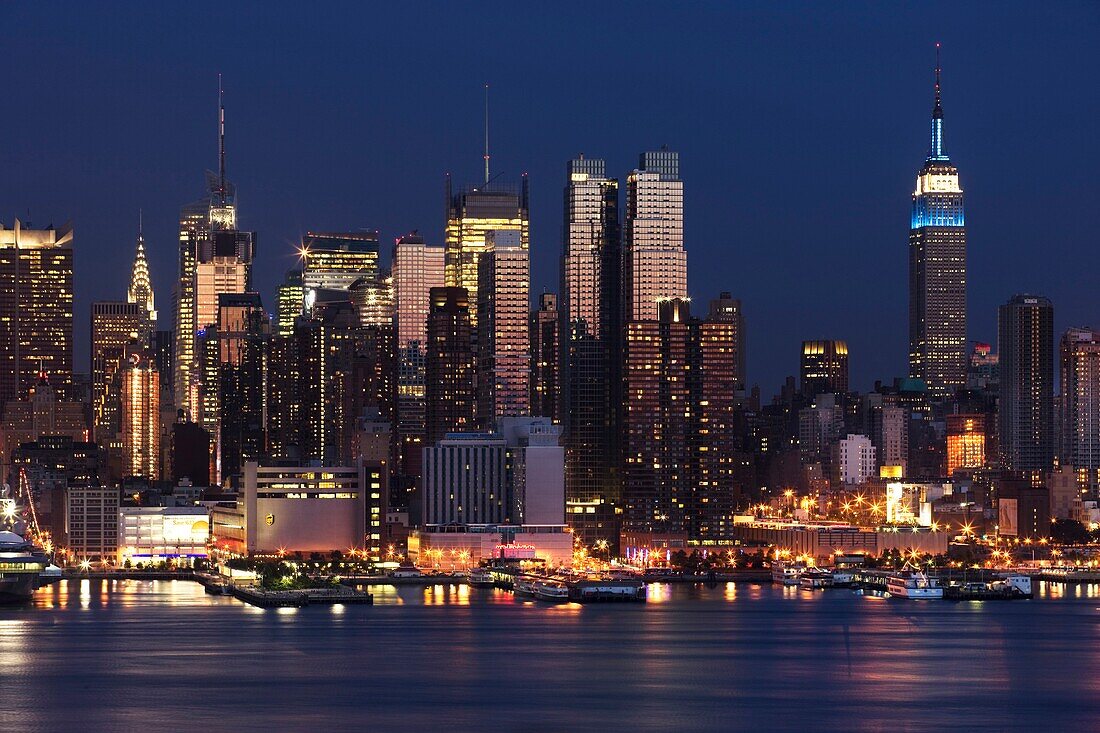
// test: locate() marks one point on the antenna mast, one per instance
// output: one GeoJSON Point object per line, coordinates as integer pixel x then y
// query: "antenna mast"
{"type": "Point", "coordinates": [221, 141]}
{"type": "Point", "coordinates": [486, 134]}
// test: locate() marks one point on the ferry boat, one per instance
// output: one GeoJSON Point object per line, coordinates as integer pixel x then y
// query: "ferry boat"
{"type": "Point", "coordinates": [914, 585]}
{"type": "Point", "coordinates": [787, 573]}
{"type": "Point", "coordinates": [523, 586]}
{"type": "Point", "coordinates": [1007, 588]}
{"type": "Point", "coordinates": [842, 578]}
{"type": "Point", "coordinates": [815, 579]}
{"type": "Point", "coordinates": [21, 564]}
{"type": "Point", "coordinates": [480, 578]}
{"type": "Point", "coordinates": [551, 590]}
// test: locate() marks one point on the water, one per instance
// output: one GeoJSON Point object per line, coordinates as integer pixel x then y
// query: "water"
{"type": "Point", "coordinates": [164, 656]}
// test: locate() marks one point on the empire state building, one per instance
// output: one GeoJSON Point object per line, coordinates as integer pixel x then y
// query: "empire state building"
{"type": "Point", "coordinates": [937, 270]}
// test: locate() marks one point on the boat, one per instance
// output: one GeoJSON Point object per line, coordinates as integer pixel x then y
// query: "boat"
{"type": "Point", "coordinates": [406, 571]}
{"type": "Point", "coordinates": [1006, 588]}
{"type": "Point", "coordinates": [843, 578]}
{"type": "Point", "coordinates": [913, 585]}
{"type": "Point", "coordinates": [551, 590]}
{"type": "Point", "coordinates": [815, 579]}
{"type": "Point", "coordinates": [21, 565]}
{"type": "Point", "coordinates": [787, 573]}
{"type": "Point", "coordinates": [523, 586]}
{"type": "Point", "coordinates": [480, 578]}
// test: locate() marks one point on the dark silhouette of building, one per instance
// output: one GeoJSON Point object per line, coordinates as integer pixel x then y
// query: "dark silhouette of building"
{"type": "Point", "coordinates": [545, 355]}
{"type": "Point", "coordinates": [1025, 341]}
{"type": "Point", "coordinates": [823, 368]}
{"type": "Point", "coordinates": [190, 452]}
{"type": "Point", "coordinates": [449, 364]}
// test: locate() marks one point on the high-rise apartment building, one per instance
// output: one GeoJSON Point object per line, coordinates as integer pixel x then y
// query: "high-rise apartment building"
{"type": "Point", "coordinates": [290, 302]}
{"type": "Point", "coordinates": [1025, 341]}
{"type": "Point", "coordinates": [545, 356]}
{"type": "Point", "coordinates": [590, 331]}
{"type": "Point", "coordinates": [937, 270]}
{"type": "Point", "coordinates": [417, 268]}
{"type": "Point", "coordinates": [503, 337]}
{"type": "Point", "coordinates": [449, 364]}
{"type": "Point", "coordinates": [824, 368]}
{"type": "Point", "coordinates": [965, 442]}
{"type": "Point", "coordinates": [115, 326]}
{"type": "Point", "coordinates": [140, 398]}
{"type": "Point", "coordinates": [36, 309]}
{"type": "Point", "coordinates": [215, 258]}
{"type": "Point", "coordinates": [654, 259]}
{"type": "Point", "coordinates": [471, 214]}
{"type": "Point", "coordinates": [1080, 367]}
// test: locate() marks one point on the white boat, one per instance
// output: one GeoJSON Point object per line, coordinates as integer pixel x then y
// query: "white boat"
{"type": "Point", "coordinates": [787, 573]}
{"type": "Point", "coordinates": [550, 590]}
{"type": "Point", "coordinates": [523, 586]}
{"type": "Point", "coordinates": [914, 585]}
{"type": "Point", "coordinates": [21, 563]}
{"type": "Point", "coordinates": [842, 578]}
{"type": "Point", "coordinates": [815, 579]}
{"type": "Point", "coordinates": [480, 578]}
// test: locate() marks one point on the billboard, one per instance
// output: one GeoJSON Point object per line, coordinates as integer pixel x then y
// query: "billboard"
{"type": "Point", "coordinates": [184, 529]}
{"type": "Point", "coordinates": [1006, 517]}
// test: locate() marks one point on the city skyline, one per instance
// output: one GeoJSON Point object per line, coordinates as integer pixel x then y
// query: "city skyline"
{"type": "Point", "coordinates": [717, 217]}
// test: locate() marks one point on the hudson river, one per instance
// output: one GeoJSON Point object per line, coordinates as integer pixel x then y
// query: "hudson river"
{"type": "Point", "coordinates": [164, 656]}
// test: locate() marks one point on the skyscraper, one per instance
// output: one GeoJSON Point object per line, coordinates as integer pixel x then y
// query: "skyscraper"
{"type": "Point", "coordinates": [290, 302]}
{"type": "Point", "coordinates": [141, 287]}
{"type": "Point", "coordinates": [654, 259]}
{"type": "Point", "coordinates": [115, 326]}
{"type": "Point", "coordinates": [503, 337]}
{"type": "Point", "coordinates": [36, 309]}
{"type": "Point", "coordinates": [589, 381]}
{"type": "Point", "coordinates": [214, 258]}
{"type": "Point", "coordinates": [417, 268]}
{"type": "Point", "coordinates": [937, 270]}
{"type": "Point", "coordinates": [335, 260]}
{"type": "Point", "coordinates": [471, 214]}
{"type": "Point", "coordinates": [140, 396]}
{"type": "Point", "coordinates": [449, 364]}
{"type": "Point", "coordinates": [824, 368]}
{"type": "Point", "coordinates": [545, 354]}
{"type": "Point", "coordinates": [1025, 342]}
{"type": "Point", "coordinates": [1080, 362]}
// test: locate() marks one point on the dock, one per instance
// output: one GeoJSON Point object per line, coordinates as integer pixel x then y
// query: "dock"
{"type": "Point", "coordinates": [581, 589]}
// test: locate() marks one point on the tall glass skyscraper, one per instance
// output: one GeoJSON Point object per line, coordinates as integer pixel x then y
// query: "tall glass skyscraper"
{"type": "Point", "coordinates": [937, 270]}
{"type": "Point", "coordinates": [1025, 337]}
{"type": "Point", "coordinates": [654, 260]}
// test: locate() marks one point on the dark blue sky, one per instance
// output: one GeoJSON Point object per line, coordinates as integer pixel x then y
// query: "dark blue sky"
{"type": "Point", "coordinates": [800, 127]}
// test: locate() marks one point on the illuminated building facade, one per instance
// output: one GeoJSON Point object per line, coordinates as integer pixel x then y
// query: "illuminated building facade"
{"type": "Point", "coordinates": [1080, 367]}
{"type": "Point", "coordinates": [654, 259]}
{"type": "Point", "coordinates": [824, 368]}
{"type": "Point", "coordinates": [545, 355]}
{"type": "Point", "coordinates": [36, 309]}
{"type": "Point", "coordinates": [449, 364]}
{"type": "Point", "coordinates": [965, 442]}
{"type": "Point", "coordinates": [91, 522]}
{"type": "Point", "coordinates": [114, 327]}
{"type": "Point", "coordinates": [335, 260]}
{"type": "Point", "coordinates": [590, 331]}
{"type": "Point", "coordinates": [140, 291]}
{"type": "Point", "coordinates": [937, 270]}
{"type": "Point", "coordinates": [40, 414]}
{"type": "Point", "coordinates": [140, 395]}
{"type": "Point", "coordinates": [417, 268]}
{"type": "Point", "coordinates": [215, 258]}
{"type": "Point", "coordinates": [503, 336]}
{"type": "Point", "coordinates": [471, 214]}
{"type": "Point", "coordinates": [1025, 340]}
{"type": "Point", "coordinates": [373, 300]}
{"type": "Point", "coordinates": [290, 302]}
{"type": "Point", "coordinates": [855, 460]}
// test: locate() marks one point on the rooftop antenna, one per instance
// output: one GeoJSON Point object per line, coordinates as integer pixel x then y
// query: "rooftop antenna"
{"type": "Point", "coordinates": [221, 141]}
{"type": "Point", "coordinates": [938, 70]}
{"type": "Point", "coordinates": [139, 224]}
{"type": "Point", "coordinates": [486, 134]}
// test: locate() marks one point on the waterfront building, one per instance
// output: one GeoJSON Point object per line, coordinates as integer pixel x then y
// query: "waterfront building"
{"type": "Point", "coordinates": [537, 459]}
{"type": "Point", "coordinates": [472, 213]}
{"type": "Point", "coordinates": [823, 540]}
{"type": "Point", "coordinates": [91, 523]}
{"type": "Point", "coordinates": [449, 364]}
{"type": "Point", "coordinates": [466, 479]}
{"type": "Point", "coordinates": [503, 338]}
{"type": "Point", "coordinates": [36, 309]}
{"type": "Point", "coordinates": [140, 291]}
{"type": "Point", "coordinates": [654, 259]}
{"type": "Point", "coordinates": [287, 509]}
{"type": "Point", "coordinates": [1025, 342]}
{"type": "Point", "coordinates": [937, 270]}
{"type": "Point", "coordinates": [154, 534]}
{"type": "Point", "coordinates": [1080, 372]}
{"type": "Point", "coordinates": [140, 396]}
{"type": "Point", "coordinates": [965, 442]}
{"type": "Point", "coordinates": [115, 326]}
{"type": "Point", "coordinates": [590, 333]}
{"type": "Point", "coordinates": [545, 358]}
{"type": "Point", "coordinates": [455, 547]}
{"type": "Point", "coordinates": [855, 460]}
{"type": "Point", "coordinates": [824, 368]}
{"type": "Point", "coordinates": [1023, 509]}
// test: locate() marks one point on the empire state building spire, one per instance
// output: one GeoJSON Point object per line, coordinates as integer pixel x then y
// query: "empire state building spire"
{"type": "Point", "coordinates": [936, 150]}
{"type": "Point", "coordinates": [141, 287]}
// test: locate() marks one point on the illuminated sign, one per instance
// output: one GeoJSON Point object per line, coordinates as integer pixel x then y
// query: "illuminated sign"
{"type": "Point", "coordinates": [270, 519]}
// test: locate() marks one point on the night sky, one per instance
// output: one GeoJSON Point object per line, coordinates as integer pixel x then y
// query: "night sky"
{"type": "Point", "coordinates": [800, 126]}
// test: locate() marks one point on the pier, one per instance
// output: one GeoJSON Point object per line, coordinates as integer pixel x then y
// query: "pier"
{"type": "Point", "coordinates": [581, 589]}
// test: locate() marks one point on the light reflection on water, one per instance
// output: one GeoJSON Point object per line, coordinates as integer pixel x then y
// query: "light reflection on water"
{"type": "Point", "coordinates": [751, 656]}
